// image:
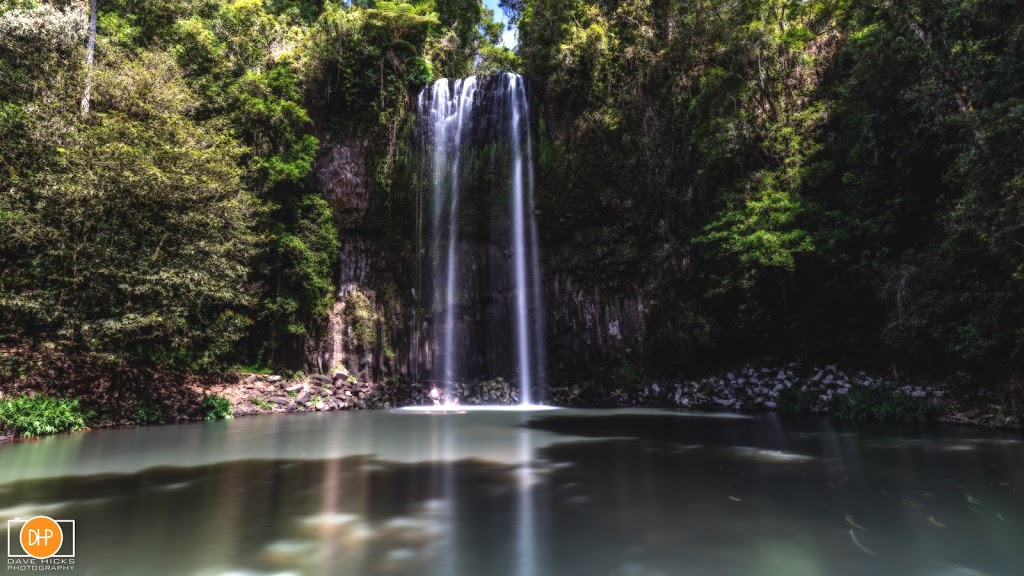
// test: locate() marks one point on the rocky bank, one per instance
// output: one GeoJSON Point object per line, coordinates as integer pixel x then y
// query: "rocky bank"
{"type": "Point", "coordinates": [788, 388]}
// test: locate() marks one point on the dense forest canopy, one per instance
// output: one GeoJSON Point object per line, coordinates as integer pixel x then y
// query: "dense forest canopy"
{"type": "Point", "coordinates": [155, 205]}
{"type": "Point", "coordinates": [811, 178]}
{"type": "Point", "coordinates": [808, 178]}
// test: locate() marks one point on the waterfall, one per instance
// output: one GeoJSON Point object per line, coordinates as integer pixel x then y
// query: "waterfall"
{"type": "Point", "coordinates": [444, 106]}
{"type": "Point", "coordinates": [461, 124]}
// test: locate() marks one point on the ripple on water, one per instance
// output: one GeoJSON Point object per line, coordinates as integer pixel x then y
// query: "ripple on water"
{"type": "Point", "coordinates": [30, 509]}
{"type": "Point", "coordinates": [328, 520]}
{"type": "Point", "coordinates": [762, 455]}
{"type": "Point", "coordinates": [242, 572]}
{"type": "Point", "coordinates": [288, 549]}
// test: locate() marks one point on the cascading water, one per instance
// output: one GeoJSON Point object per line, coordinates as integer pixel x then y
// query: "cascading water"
{"type": "Point", "coordinates": [463, 123]}
{"type": "Point", "coordinates": [522, 202]}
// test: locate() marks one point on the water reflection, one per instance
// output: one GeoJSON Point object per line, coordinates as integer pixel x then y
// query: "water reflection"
{"type": "Point", "coordinates": [516, 494]}
{"type": "Point", "coordinates": [526, 533]}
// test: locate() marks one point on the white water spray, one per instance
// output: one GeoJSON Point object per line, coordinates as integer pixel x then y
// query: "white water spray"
{"type": "Point", "coordinates": [447, 105]}
{"type": "Point", "coordinates": [454, 115]}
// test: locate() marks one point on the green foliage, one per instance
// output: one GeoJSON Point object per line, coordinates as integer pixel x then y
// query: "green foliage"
{"type": "Point", "coordinates": [878, 402]}
{"type": "Point", "coordinates": [359, 314]}
{"type": "Point", "coordinates": [762, 235]}
{"type": "Point", "coordinates": [496, 59]}
{"type": "Point", "coordinates": [751, 171]}
{"type": "Point", "coordinates": [401, 17]}
{"type": "Point", "coordinates": [131, 239]}
{"type": "Point", "coordinates": [812, 178]}
{"type": "Point", "coordinates": [629, 374]}
{"type": "Point", "coordinates": [39, 415]}
{"type": "Point", "coordinates": [881, 402]}
{"type": "Point", "coordinates": [261, 403]}
{"type": "Point", "coordinates": [215, 407]}
{"type": "Point", "coordinates": [178, 226]}
{"type": "Point", "coordinates": [795, 400]}
{"type": "Point", "coordinates": [148, 414]}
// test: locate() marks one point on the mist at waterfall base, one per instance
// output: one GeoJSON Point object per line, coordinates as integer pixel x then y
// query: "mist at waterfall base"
{"type": "Point", "coordinates": [465, 127]}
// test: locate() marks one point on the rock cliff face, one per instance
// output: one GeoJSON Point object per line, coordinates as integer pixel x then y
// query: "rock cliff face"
{"type": "Point", "coordinates": [342, 177]}
{"type": "Point", "coordinates": [384, 325]}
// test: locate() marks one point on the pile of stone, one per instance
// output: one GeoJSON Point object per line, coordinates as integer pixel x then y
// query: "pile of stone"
{"type": "Point", "coordinates": [261, 393]}
{"type": "Point", "coordinates": [488, 392]}
{"type": "Point", "coordinates": [748, 388]}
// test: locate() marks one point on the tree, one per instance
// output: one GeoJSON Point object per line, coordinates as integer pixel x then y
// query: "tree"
{"type": "Point", "coordinates": [133, 244]}
{"type": "Point", "coordinates": [90, 53]}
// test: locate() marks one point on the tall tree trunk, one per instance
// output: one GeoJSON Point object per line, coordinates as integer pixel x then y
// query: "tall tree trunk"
{"type": "Point", "coordinates": [90, 52]}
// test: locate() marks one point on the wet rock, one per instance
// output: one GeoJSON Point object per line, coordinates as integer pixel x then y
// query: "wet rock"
{"type": "Point", "coordinates": [279, 400]}
{"type": "Point", "coordinates": [302, 397]}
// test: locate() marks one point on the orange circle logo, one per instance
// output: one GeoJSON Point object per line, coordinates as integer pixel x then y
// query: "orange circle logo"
{"type": "Point", "coordinates": [41, 537]}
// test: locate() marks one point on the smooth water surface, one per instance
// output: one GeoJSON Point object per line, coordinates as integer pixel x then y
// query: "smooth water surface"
{"type": "Point", "coordinates": [557, 492]}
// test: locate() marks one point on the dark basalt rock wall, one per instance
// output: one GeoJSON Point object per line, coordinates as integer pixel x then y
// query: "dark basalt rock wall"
{"type": "Point", "coordinates": [381, 326]}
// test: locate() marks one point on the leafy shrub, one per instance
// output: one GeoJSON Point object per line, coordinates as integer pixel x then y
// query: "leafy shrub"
{"type": "Point", "coordinates": [629, 374]}
{"type": "Point", "coordinates": [147, 415]}
{"type": "Point", "coordinates": [215, 407]}
{"type": "Point", "coordinates": [262, 404]}
{"type": "Point", "coordinates": [880, 402]}
{"type": "Point", "coordinates": [38, 415]}
{"type": "Point", "coordinates": [796, 401]}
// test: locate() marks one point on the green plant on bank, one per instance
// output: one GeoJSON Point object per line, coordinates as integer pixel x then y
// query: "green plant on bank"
{"type": "Point", "coordinates": [262, 404]}
{"type": "Point", "coordinates": [148, 415]}
{"type": "Point", "coordinates": [293, 394]}
{"type": "Point", "coordinates": [360, 315]}
{"type": "Point", "coordinates": [254, 369]}
{"type": "Point", "coordinates": [882, 403]}
{"type": "Point", "coordinates": [352, 379]}
{"type": "Point", "coordinates": [38, 415]}
{"type": "Point", "coordinates": [878, 402]}
{"type": "Point", "coordinates": [797, 401]}
{"type": "Point", "coordinates": [216, 407]}
{"type": "Point", "coordinates": [629, 373]}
